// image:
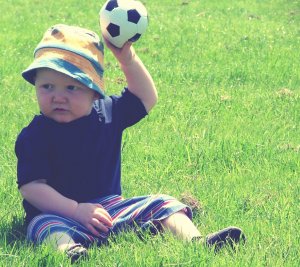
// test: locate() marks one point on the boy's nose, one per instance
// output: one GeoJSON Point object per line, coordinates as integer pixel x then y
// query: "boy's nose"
{"type": "Point", "coordinates": [59, 97]}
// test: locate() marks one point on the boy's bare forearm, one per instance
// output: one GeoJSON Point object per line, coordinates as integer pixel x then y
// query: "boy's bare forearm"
{"type": "Point", "coordinates": [47, 199]}
{"type": "Point", "coordinates": [140, 82]}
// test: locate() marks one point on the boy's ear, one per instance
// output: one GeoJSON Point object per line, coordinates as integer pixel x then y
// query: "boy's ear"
{"type": "Point", "coordinates": [96, 96]}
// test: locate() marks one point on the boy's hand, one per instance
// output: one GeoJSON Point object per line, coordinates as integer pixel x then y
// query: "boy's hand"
{"type": "Point", "coordinates": [124, 55]}
{"type": "Point", "coordinates": [94, 217]}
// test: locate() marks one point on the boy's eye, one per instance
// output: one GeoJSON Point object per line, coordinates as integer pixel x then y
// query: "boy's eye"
{"type": "Point", "coordinates": [73, 87]}
{"type": "Point", "coordinates": [47, 86]}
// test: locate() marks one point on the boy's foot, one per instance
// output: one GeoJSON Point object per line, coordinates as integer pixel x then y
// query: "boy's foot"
{"type": "Point", "coordinates": [227, 236]}
{"type": "Point", "coordinates": [76, 252]}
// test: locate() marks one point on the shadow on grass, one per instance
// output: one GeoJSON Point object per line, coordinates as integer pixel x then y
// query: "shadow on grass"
{"type": "Point", "coordinates": [13, 232]}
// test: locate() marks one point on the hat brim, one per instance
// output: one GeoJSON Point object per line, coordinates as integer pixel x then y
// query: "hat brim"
{"type": "Point", "coordinates": [64, 67]}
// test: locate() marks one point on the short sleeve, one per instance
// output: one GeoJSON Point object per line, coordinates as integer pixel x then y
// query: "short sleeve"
{"type": "Point", "coordinates": [32, 158]}
{"type": "Point", "coordinates": [127, 109]}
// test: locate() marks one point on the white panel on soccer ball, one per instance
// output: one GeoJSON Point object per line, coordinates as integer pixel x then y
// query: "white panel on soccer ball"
{"type": "Point", "coordinates": [140, 8]}
{"type": "Point", "coordinates": [104, 14]}
{"type": "Point", "coordinates": [129, 29]}
{"type": "Point", "coordinates": [125, 4]}
{"type": "Point", "coordinates": [118, 16]}
{"type": "Point", "coordinates": [104, 19]}
{"type": "Point", "coordinates": [142, 25]}
{"type": "Point", "coordinates": [118, 41]}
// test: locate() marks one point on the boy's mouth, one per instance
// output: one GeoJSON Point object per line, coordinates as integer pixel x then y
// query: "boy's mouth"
{"type": "Point", "coordinates": [60, 110]}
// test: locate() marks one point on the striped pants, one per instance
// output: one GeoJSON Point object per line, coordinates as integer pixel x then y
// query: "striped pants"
{"type": "Point", "coordinates": [133, 213]}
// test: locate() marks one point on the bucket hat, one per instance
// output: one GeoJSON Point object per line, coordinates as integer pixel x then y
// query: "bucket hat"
{"type": "Point", "coordinates": [71, 50]}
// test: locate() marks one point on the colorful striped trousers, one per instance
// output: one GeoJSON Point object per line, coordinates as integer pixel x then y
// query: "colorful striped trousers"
{"type": "Point", "coordinates": [138, 213]}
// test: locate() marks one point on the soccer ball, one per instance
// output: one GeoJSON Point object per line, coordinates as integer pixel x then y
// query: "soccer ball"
{"type": "Point", "coordinates": [122, 21]}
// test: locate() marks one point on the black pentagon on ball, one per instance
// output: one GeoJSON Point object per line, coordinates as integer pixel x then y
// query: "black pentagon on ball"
{"type": "Point", "coordinates": [133, 16]}
{"type": "Point", "coordinates": [135, 38]}
{"type": "Point", "coordinates": [111, 5]}
{"type": "Point", "coordinates": [113, 30]}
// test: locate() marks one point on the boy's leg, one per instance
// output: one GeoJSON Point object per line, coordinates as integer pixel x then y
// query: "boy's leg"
{"type": "Point", "coordinates": [182, 227]}
{"type": "Point", "coordinates": [59, 240]}
{"type": "Point", "coordinates": [64, 242]}
{"type": "Point", "coordinates": [60, 233]}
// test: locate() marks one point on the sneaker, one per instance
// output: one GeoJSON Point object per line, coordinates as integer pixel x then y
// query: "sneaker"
{"type": "Point", "coordinates": [227, 236]}
{"type": "Point", "coordinates": [76, 252]}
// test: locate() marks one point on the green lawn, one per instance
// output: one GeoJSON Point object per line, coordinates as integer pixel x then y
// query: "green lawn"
{"type": "Point", "coordinates": [225, 132]}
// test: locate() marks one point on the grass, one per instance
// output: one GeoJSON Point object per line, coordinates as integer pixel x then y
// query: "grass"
{"type": "Point", "coordinates": [225, 130]}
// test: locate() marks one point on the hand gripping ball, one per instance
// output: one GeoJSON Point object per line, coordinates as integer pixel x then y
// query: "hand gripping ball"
{"type": "Point", "coordinates": [122, 21]}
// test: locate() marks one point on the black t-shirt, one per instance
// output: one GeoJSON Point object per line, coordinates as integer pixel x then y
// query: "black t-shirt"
{"type": "Point", "coordinates": [80, 159]}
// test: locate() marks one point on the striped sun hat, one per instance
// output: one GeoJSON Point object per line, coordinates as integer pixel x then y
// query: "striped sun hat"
{"type": "Point", "coordinates": [73, 51]}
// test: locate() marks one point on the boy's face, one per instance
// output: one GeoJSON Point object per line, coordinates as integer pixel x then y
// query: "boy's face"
{"type": "Point", "coordinates": [61, 97]}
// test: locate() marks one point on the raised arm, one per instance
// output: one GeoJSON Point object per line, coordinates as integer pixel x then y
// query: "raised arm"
{"type": "Point", "coordinates": [139, 80]}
